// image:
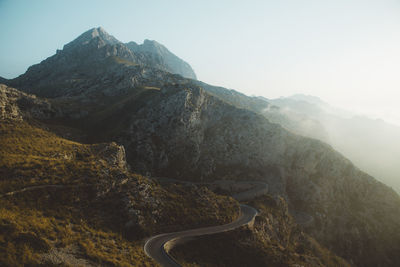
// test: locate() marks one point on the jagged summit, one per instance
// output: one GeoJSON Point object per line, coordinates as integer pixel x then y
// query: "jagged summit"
{"type": "Point", "coordinates": [161, 54]}
{"type": "Point", "coordinates": [147, 44]}
{"type": "Point", "coordinates": [89, 35]}
{"type": "Point", "coordinates": [90, 54]}
{"type": "Point", "coordinates": [150, 53]}
{"type": "Point", "coordinates": [154, 45]}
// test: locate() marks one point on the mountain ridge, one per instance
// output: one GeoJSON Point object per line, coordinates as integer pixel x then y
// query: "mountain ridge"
{"type": "Point", "coordinates": [87, 36]}
{"type": "Point", "coordinates": [372, 144]}
{"type": "Point", "coordinates": [93, 49]}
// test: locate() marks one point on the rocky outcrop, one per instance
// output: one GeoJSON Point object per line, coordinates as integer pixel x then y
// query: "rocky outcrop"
{"type": "Point", "coordinates": [236, 98]}
{"type": "Point", "coordinates": [113, 153]}
{"type": "Point", "coordinates": [86, 37]}
{"type": "Point", "coordinates": [16, 105]}
{"type": "Point", "coordinates": [159, 53]}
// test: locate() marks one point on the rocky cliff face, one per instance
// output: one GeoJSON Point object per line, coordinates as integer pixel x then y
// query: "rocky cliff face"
{"type": "Point", "coordinates": [15, 105]}
{"type": "Point", "coordinates": [160, 54]}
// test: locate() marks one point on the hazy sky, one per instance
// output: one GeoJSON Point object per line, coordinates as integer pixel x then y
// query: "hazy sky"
{"type": "Point", "coordinates": [346, 52]}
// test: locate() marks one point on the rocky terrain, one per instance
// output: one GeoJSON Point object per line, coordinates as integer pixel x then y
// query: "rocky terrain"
{"type": "Point", "coordinates": [85, 57]}
{"type": "Point", "coordinates": [72, 203]}
{"type": "Point", "coordinates": [175, 127]}
{"type": "Point", "coordinates": [273, 240]}
{"type": "Point", "coordinates": [14, 105]}
{"type": "Point", "coordinates": [160, 54]}
{"type": "Point", "coordinates": [68, 203]}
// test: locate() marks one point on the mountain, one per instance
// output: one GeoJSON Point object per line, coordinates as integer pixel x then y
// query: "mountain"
{"type": "Point", "coordinates": [87, 56]}
{"type": "Point", "coordinates": [160, 53]}
{"type": "Point", "coordinates": [183, 129]}
{"type": "Point", "coordinates": [64, 202]}
{"type": "Point", "coordinates": [371, 144]}
{"type": "Point", "coordinates": [86, 37]}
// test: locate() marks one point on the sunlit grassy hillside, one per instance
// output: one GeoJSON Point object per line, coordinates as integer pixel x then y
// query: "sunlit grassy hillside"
{"type": "Point", "coordinates": [83, 220]}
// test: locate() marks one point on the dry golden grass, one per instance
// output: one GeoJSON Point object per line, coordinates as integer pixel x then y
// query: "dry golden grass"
{"type": "Point", "coordinates": [30, 156]}
{"type": "Point", "coordinates": [27, 234]}
{"type": "Point", "coordinates": [40, 221]}
{"type": "Point", "coordinates": [32, 223]}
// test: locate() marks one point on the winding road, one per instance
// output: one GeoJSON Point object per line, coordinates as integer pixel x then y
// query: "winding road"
{"type": "Point", "coordinates": [155, 246]}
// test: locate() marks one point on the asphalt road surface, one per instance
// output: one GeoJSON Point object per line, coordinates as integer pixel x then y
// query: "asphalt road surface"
{"type": "Point", "coordinates": [154, 246]}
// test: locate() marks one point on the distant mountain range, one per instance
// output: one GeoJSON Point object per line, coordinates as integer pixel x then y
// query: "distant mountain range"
{"type": "Point", "coordinates": [99, 90]}
{"type": "Point", "coordinates": [373, 145]}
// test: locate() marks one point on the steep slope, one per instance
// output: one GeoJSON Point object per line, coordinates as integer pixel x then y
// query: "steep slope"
{"type": "Point", "coordinates": [181, 131]}
{"type": "Point", "coordinates": [87, 37]}
{"type": "Point", "coordinates": [373, 145]}
{"type": "Point", "coordinates": [273, 240]}
{"type": "Point", "coordinates": [174, 128]}
{"type": "Point", "coordinates": [298, 123]}
{"type": "Point", "coordinates": [159, 53]}
{"type": "Point", "coordinates": [236, 98]}
{"type": "Point", "coordinates": [64, 202]}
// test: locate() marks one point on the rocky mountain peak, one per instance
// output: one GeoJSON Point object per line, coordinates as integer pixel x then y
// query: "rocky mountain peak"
{"type": "Point", "coordinates": [160, 53]}
{"type": "Point", "coordinates": [92, 54]}
{"type": "Point", "coordinates": [91, 34]}
{"type": "Point", "coordinates": [154, 46]}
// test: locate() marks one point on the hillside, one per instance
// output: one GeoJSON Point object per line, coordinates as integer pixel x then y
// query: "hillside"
{"type": "Point", "coordinates": [371, 144]}
{"type": "Point", "coordinates": [273, 240]}
{"type": "Point", "coordinates": [69, 203]}
{"type": "Point", "coordinates": [84, 206]}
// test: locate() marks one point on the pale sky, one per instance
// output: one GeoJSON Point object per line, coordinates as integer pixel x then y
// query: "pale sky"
{"type": "Point", "coordinates": [346, 52]}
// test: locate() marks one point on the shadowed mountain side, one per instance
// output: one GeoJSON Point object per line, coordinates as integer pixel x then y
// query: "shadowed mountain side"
{"type": "Point", "coordinates": [179, 130]}
{"type": "Point", "coordinates": [66, 203]}
{"type": "Point", "coordinates": [373, 145]}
